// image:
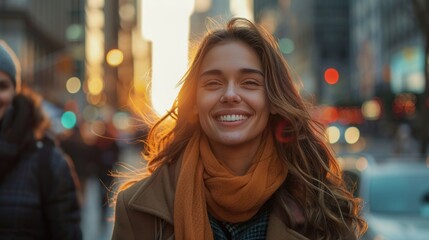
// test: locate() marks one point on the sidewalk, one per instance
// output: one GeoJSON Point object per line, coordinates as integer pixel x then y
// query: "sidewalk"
{"type": "Point", "coordinates": [92, 227]}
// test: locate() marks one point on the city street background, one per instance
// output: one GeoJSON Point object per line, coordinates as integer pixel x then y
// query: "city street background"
{"type": "Point", "coordinates": [102, 66]}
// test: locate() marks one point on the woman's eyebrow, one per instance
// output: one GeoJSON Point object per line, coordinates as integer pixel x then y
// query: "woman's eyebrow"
{"type": "Point", "coordinates": [242, 71]}
{"type": "Point", "coordinates": [251, 70]}
{"type": "Point", "coordinates": [211, 72]}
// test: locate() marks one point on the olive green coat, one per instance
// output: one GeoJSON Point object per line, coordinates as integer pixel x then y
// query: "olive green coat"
{"type": "Point", "coordinates": [145, 210]}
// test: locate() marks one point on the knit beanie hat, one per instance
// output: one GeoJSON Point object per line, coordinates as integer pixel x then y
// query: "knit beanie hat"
{"type": "Point", "coordinates": [9, 64]}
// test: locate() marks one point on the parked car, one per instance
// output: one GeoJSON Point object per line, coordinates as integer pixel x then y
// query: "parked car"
{"type": "Point", "coordinates": [395, 192]}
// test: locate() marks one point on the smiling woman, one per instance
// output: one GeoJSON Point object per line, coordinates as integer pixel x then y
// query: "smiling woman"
{"type": "Point", "coordinates": [238, 156]}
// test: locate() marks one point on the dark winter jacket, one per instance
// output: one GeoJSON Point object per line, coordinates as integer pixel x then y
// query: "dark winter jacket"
{"type": "Point", "coordinates": [38, 188]}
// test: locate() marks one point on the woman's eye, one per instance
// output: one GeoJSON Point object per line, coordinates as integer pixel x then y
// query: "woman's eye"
{"type": "Point", "coordinates": [212, 83]}
{"type": "Point", "coordinates": [251, 83]}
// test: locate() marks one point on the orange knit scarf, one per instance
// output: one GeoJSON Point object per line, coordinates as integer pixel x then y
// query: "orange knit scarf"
{"type": "Point", "coordinates": [205, 184]}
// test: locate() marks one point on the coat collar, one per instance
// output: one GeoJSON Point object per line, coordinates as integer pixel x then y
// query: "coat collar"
{"type": "Point", "coordinates": [155, 194]}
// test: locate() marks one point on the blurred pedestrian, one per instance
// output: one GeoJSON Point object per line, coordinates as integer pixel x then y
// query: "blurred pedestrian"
{"type": "Point", "coordinates": [38, 196]}
{"type": "Point", "coordinates": [82, 151]}
{"type": "Point", "coordinates": [108, 155]}
{"type": "Point", "coordinates": [238, 156]}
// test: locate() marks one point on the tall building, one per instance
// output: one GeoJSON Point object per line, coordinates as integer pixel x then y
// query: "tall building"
{"type": "Point", "coordinates": [331, 40]}
{"type": "Point", "coordinates": [38, 32]}
{"type": "Point", "coordinates": [313, 36]}
{"type": "Point", "coordinates": [385, 45]}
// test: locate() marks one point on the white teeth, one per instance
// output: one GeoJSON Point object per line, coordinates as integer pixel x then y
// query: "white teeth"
{"type": "Point", "coordinates": [231, 118]}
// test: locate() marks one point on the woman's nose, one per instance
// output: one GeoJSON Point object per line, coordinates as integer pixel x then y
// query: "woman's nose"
{"type": "Point", "coordinates": [230, 95]}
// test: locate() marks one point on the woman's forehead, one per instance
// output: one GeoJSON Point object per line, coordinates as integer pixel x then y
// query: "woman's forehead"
{"type": "Point", "coordinates": [232, 54]}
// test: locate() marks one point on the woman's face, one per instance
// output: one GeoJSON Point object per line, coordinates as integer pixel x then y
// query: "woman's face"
{"type": "Point", "coordinates": [7, 92]}
{"type": "Point", "coordinates": [231, 100]}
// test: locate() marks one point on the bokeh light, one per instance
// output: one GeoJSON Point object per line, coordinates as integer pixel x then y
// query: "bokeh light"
{"type": "Point", "coordinates": [121, 120]}
{"type": "Point", "coordinates": [74, 32]}
{"type": "Point", "coordinates": [95, 85]}
{"type": "Point", "coordinates": [73, 85]}
{"type": "Point", "coordinates": [404, 104]}
{"type": "Point", "coordinates": [114, 57]}
{"type": "Point", "coordinates": [68, 120]}
{"type": "Point", "coordinates": [351, 135]}
{"type": "Point", "coordinates": [333, 134]}
{"type": "Point", "coordinates": [331, 76]}
{"type": "Point", "coordinates": [371, 110]}
{"type": "Point", "coordinates": [286, 45]}
{"type": "Point", "coordinates": [361, 164]}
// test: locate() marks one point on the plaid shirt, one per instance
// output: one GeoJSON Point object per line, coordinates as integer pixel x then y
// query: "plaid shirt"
{"type": "Point", "coordinates": [253, 229]}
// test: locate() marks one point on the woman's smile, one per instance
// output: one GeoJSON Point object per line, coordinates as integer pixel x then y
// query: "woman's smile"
{"type": "Point", "coordinates": [232, 118]}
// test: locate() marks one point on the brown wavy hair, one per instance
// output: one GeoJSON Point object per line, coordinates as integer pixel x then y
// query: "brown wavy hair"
{"type": "Point", "coordinates": [314, 179]}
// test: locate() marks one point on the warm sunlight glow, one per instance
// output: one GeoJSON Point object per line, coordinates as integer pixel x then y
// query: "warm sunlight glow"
{"type": "Point", "coordinates": [94, 49]}
{"type": "Point", "coordinates": [242, 8]}
{"type": "Point", "coordinates": [97, 18]}
{"type": "Point", "coordinates": [169, 33]}
{"type": "Point", "coordinates": [95, 3]}
{"type": "Point", "coordinates": [202, 5]}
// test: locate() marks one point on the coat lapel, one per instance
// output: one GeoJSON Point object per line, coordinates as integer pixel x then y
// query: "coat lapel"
{"type": "Point", "coordinates": [155, 195]}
